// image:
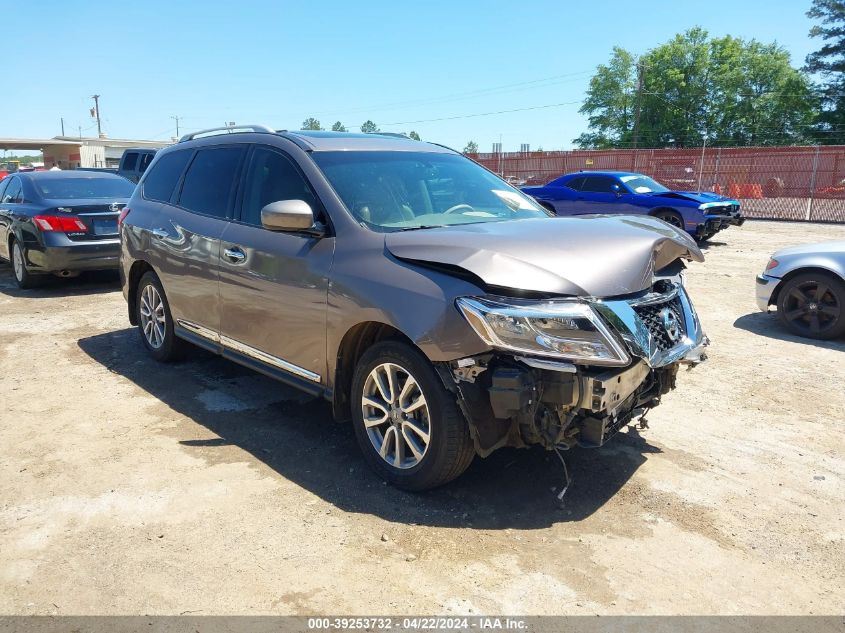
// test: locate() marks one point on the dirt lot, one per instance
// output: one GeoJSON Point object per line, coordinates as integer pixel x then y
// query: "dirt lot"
{"type": "Point", "coordinates": [134, 488]}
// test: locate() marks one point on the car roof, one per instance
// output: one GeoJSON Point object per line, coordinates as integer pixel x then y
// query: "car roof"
{"type": "Point", "coordinates": [601, 173]}
{"type": "Point", "coordinates": [323, 140]}
{"type": "Point", "coordinates": [327, 141]}
{"type": "Point", "coordinates": [66, 173]}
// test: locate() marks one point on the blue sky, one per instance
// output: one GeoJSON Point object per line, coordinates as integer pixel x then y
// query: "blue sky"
{"type": "Point", "coordinates": [401, 64]}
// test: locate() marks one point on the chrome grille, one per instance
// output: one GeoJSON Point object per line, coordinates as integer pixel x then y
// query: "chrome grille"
{"type": "Point", "coordinates": [653, 316]}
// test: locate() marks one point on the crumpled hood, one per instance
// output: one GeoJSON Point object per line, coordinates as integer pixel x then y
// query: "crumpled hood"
{"type": "Point", "coordinates": [599, 256]}
{"type": "Point", "coordinates": [694, 196]}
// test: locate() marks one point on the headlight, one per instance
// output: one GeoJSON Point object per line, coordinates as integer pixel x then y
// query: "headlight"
{"type": "Point", "coordinates": [709, 205]}
{"type": "Point", "coordinates": [562, 329]}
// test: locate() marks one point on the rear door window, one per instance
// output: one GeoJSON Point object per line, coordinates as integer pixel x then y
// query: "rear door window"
{"type": "Point", "coordinates": [130, 161]}
{"type": "Point", "coordinates": [210, 179]}
{"type": "Point", "coordinates": [599, 184]}
{"type": "Point", "coordinates": [162, 179]}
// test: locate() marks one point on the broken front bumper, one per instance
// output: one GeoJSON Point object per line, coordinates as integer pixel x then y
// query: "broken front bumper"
{"type": "Point", "coordinates": [714, 223]}
{"type": "Point", "coordinates": [512, 400]}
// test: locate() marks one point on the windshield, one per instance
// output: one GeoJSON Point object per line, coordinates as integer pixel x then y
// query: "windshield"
{"type": "Point", "coordinates": [80, 188]}
{"type": "Point", "coordinates": [643, 184]}
{"type": "Point", "coordinates": [391, 191]}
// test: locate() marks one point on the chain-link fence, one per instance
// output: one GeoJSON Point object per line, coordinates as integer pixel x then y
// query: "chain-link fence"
{"type": "Point", "coordinates": [783, 183]}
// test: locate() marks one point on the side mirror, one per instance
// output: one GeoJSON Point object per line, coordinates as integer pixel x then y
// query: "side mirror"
{"type": "Point", "coordinates": [287, 215]}
{"type": "Point", "coordinates": [616, 189]}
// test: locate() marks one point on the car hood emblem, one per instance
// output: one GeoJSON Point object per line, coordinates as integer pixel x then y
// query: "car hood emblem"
{"type": "Point", "coordinates": [670, 324]}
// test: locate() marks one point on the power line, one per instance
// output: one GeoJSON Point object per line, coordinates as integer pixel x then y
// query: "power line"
{"type": "Point", "coordinates": [480, 114]}
{"type": "Point", "coordinates": [457, 96]}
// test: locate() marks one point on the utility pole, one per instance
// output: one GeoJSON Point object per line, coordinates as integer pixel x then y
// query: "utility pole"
{"type": "Point", "coordinates": [96, 113]}
{"type": "Point", "coordinates": [176, 118]}
{"type": "Point", "coordinates": [701, 166]}
{"type": "Point", "coordinates": [63, 126]}
{"type": "Point", "coordinates": [637, 104]}
{"type": "Point", "coordinates": [80, 131]}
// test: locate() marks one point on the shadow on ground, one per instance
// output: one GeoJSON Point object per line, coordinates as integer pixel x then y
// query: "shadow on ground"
{"type": "Point", "coordinates": [705, 246]}
{"type": "Point", "coordinates": [295, 435]}
{"type": "Point", "coordinates": [769, 325]}
{"type": "Point", "coordinates": [88, 283]}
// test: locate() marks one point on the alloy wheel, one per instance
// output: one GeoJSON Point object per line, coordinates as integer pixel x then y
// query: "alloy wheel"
{"type": "Point", "coordinates": [396, 415]}
{"type": "Point", "coordinates": [672, 219]}
{"type": "Point", "coordinates": [153, 319]}
{"type": "Point", "coordinates": [812, 307]}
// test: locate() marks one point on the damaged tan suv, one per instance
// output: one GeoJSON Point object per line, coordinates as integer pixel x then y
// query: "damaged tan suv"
{"type": "Point", "coordinates": [431, 303]}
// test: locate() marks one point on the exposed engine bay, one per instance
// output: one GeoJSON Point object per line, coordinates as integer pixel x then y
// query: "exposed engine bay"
{"type": "Point", "coordinates": [522, 400]}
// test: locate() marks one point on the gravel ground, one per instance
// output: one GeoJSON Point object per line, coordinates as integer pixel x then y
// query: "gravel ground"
{"type": "Point", "coordinates": [128, 487]}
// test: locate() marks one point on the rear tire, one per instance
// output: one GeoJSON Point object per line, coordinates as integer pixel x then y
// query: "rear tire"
{"type": "Point", "coordinates": [812, 304]}
{"type": "Point", "coordinates": [23, 277]}
{"type": "Point", "coordinates": [155, 323]}
{"type": "Point", "coordinates": [415, 437]}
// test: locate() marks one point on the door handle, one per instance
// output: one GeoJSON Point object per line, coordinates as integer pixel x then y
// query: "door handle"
{"type": "Point", "coordinates": [159, 233]}
{"type": "Point", "coordinates": [234, 255]}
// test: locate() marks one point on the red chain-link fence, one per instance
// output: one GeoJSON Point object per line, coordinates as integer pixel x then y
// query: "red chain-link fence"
{"type": "Point", "coordinates": [782, 183]}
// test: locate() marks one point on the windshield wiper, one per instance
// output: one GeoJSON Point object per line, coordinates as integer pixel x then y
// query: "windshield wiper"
{"type": "Point", "coordinates": [423, 226]}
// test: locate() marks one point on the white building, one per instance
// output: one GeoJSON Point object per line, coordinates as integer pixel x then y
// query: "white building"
{"type": "Point", "coordinates": [70, 152]}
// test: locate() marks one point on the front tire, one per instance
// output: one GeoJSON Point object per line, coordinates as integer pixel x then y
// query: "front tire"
{"type": "Point", "coordinates": [407, 423]}
{"type": "Point", "coordinates": [812, 304]}
{"type": "Point", "coordinates": [155, 323]}
{"type": "Point", "coordinates": [23, 278]}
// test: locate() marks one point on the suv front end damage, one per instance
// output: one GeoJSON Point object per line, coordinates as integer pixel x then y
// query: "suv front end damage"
{"type": "Point", "coordinates": [572, 371]}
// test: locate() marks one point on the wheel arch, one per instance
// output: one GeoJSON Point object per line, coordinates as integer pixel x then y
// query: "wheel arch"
{"type": "Point", "coordinates": [137, 270]}
{"type": "Point", "coordinates": [773, 299]}
{"type": "Point", "coordinates": [358, 339]}
{"type": "Point", "coordinates": [657, 210]}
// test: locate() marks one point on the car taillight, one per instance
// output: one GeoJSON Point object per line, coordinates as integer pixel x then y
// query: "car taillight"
{"type": "Point", "coordinates": [61, 224]}
{"type": "Point", "coordinates": [122, 216]}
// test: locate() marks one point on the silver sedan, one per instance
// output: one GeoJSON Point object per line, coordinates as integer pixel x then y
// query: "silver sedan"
{"type": "Point", "coordinates": [807, 285]}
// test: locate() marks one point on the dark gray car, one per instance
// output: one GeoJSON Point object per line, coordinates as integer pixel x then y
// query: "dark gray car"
{"type": "Point", "coordinates": [60, 222]}
{"type": "Point", "coordinates": [434, 305]}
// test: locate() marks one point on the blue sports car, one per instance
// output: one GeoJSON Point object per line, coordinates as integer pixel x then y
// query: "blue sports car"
{"type": "Point", "coordinates": [702, 214]}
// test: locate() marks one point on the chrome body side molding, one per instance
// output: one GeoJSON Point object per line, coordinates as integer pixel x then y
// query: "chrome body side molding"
{"type": "Point", "coordinates": [251, 352]}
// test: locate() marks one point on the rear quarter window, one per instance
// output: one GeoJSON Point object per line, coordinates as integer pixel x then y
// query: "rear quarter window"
{"type": "Point", "coordinates": [161, 179]}
{"type": "Point", "coordinates": [575, 183]}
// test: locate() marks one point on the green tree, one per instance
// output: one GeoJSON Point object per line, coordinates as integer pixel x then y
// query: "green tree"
{"type": "Point", "coordinates": [338, 127]}
{"type": "Point", "coordinates": [414, 135]}
{"type": "Point", "coordinates": [829, 64]}
{"type": "Point", "coordinates": [609, 105]}
{"type": "Point", "coordinates": [368, 127]}
{"type": "Point", "coordinates": [471, 148]}
{"type": "Point", "coordinates": [733, 91]}
{"type": "Point", "coordinates": [311, 124]}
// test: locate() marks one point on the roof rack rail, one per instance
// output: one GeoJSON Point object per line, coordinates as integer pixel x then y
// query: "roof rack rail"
{"type": "Point", "coordinates": [393, 134]}
{"type": "Point", "coordinates": [229, 129]}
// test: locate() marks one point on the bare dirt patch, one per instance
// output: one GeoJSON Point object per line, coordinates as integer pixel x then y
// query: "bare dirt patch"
{"type": "Point", "coordinates": [131, 487]}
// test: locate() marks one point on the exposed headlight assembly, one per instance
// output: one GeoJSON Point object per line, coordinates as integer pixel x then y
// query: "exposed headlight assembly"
{"type": "Point", "coordinates": [568, 330]}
